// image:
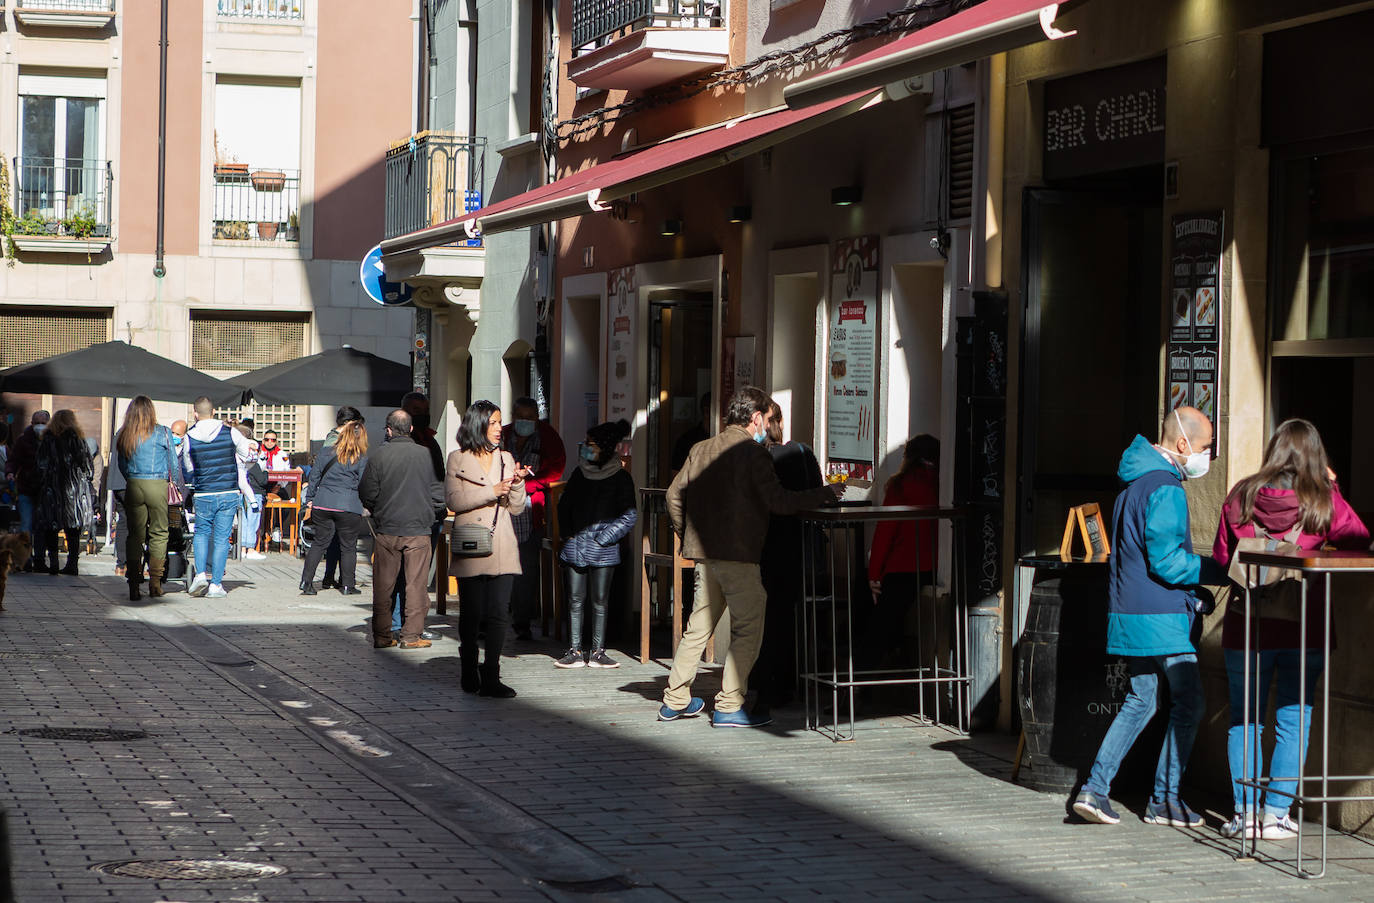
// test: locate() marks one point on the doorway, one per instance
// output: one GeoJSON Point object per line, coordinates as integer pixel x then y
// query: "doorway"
{"type": "Point", "coordinates": [1090, 347]}
{"type": "Point", "coordinates": [579, 393]}
{"type": "Point", "coordinates": [680, 367]}
{"type": "Point", "coordinates": [792, 377]}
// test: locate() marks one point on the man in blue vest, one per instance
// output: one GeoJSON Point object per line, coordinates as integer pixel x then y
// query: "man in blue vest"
{"type": "Point", "coordinates": [214, 456]}
{"type": "Point", "coordinates": [1152, 605]}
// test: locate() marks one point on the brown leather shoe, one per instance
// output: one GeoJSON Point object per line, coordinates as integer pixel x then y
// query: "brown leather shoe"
{"type": "Point", "coordinates": [382, 642]}
{"type": "Point", "coordinates": [421, 643]}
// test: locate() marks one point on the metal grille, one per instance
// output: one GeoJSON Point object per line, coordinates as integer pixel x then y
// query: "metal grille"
{"type": "Point", "coordinates": [190, 869]}
{"type": "Point", "coordinates": [281, 419]}
{"type": "Point", "coordinates": [271, 10]}
{"type": "Point", "coordinates": [431, 178]}
{"type": "Point", "coordinates": [239, 345]}
{"type": "Point", "coordinates": [593, 20]}
{"type": "Point", "coordinates": [32, 335]}
{"type": "Point", "coordinates": [960, 156]}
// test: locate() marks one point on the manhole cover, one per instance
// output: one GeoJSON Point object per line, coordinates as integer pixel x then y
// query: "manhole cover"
{"type": "Point", "coordinates": [190, 869]}
{"type": "Point", "coordinates": [89, 734]}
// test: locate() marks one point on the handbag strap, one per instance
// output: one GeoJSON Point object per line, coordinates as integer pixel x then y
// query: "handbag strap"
{"type": "Point", "coordinates": [496, 515]}
{"type": "Point", "coordinates": [170, 455]}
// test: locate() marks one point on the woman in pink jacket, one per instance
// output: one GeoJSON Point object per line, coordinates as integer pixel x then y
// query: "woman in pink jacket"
{"type": "Point", "coordinates": [1295, 487]}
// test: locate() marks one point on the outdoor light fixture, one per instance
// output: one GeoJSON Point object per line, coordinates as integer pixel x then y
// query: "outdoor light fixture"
{"type": "Point", "coordinates": [741, 213]}
{"type": "Point", "coordinates": [671, 227]}
{"type": "Point", "coordinates": [846, 195]}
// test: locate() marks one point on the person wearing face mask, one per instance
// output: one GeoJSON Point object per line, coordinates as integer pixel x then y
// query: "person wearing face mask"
{"type": "Point", "coordinates": [22, 467]}
{"type": "Point", "coordinates": [538, 448]}
{"type": "Point", "coordinates": [719, 505]}
{"type": "Point", "coordinates": [595, 512]}
{"type": "Point", "coordinates": [1153, 601]}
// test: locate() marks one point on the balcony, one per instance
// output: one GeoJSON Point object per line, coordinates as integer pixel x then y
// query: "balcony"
{"type": "Point", "coordinates": [431, 178]}
{"type": "Point", "coordinates": [65, 13]}
{"type": "Point", "coordinates": [286, 12]}
{"type": "Point", "coordinates": [61, 205]}
{"type": "Point", "coordinates": [636, 45]}
{"type": "Point", "coordinates": [256, 206]}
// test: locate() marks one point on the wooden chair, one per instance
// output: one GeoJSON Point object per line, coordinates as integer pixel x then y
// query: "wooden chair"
{"type": "Point", "coordinates": [275, 510]}
{"type": "Point", "coordinates": [550, 586]}
{"type": "Point", "coordinates": [655, 498]}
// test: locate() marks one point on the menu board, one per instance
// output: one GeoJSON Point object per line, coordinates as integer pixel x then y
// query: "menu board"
{"type": "Point", "coordinates": [1195, 312]}
{"type": "Point", "coordinates": [621, 304]}
{"type": "Point", "coordinates": [851, 358]}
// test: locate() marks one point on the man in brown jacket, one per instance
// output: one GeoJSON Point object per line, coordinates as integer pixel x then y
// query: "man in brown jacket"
{"type": "Point", "coordinates": [719, 504]}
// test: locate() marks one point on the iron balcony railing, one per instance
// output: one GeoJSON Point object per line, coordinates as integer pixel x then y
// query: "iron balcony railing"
{"type": "Point", "coordinates": [431, 178]}
{"type": "Point", "coordinates": [62, 196]}
{"type": "Point", "coordinates": [83, 6]}
{"type": "Point", "coordinates": [593, 20]}
{"type": "Point", "coordinates": [260, 204]}
{"type": "Point", "coordinates": [274, 10]}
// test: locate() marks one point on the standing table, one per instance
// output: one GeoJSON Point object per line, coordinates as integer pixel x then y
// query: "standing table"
{"type": "Point", "coordinates": [1314, 566]}
{"type": "Point", "coordinates": [836, 676]}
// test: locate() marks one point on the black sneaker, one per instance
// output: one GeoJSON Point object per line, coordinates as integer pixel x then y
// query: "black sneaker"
{"type": "Point", "coordinates": [599, 659]}
{"type": "Point", "coordinates": [571, 659]}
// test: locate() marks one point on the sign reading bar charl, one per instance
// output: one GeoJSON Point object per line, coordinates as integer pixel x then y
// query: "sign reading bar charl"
{"type": "Point", "coordinates": [1105, 120]}
{"type": "Point", "coordinates": [851, 381]}
{"type": "Point", "coordinates": [1195, 311]}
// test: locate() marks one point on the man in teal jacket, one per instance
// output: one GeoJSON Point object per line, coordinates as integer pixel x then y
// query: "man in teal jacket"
{"type": "Point", "coordinates": [1151, 608]}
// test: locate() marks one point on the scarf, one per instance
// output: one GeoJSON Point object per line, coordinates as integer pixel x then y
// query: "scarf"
{"type": "Point", "coordinates": [593, 472]}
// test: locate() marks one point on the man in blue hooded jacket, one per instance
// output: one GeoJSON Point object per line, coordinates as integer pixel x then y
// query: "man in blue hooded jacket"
{"type": "Point", "coordinates": [1151, 608]}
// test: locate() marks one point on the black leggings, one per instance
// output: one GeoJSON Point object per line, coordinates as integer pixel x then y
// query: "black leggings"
{"type": "Point", "coordinates": [582, 581]}
{"type": "Point", "coordinates": [49, 544]}
{"type": "Point", "coordinates": [328, 524]}
{"type": "Point", "coordinates": [484, 605]}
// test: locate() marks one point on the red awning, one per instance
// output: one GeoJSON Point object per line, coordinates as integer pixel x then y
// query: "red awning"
{"type": "Point", "coordinates": [993, 26]}
{"type": "Point", "coordinates": [595, 187]}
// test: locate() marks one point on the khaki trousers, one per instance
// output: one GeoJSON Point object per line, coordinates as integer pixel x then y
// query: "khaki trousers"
{"type": "Point", "coordinates": [720, 585]}
{"type": "Point", "coordinates": [393, 556]}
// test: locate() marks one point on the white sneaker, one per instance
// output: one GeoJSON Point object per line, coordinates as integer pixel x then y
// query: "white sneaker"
{"type": "Point", "coordinates": [199, 585]}
{"type": "Point", "coordinates": [254, 555]}
{"type": "Point", "coordinates": [1239, 823]}
{"type": "Point", "coordinates": [1279, 827]}
{"type": "Point", "coordinates": [216, 592]}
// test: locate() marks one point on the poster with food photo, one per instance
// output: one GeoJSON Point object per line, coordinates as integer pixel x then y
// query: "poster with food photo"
{"type": "Point", "coordinates": [1195, 296]}
{"type": "Point", "coordinates": [1205, 383]}
{"type": "Point", "coordinates": [851, 356]}
{"type": "Point", "coordinates": [1180, 380]}
{"type": "Point", "coordinates": [621, 304]}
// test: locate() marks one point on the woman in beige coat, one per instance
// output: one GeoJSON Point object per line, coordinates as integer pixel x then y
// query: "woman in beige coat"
{"type": "Point", "coordinates": [485, 486]}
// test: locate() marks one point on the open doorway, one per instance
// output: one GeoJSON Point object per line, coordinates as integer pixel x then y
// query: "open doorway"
{"type": "Point", "coordinates": [792, 355]}
{"type": "Point", "coordinates": [680, 367]}
{"type": "Point", "coordinates": [579, 396]}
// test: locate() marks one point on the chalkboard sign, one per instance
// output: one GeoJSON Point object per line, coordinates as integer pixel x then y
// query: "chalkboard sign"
{"type": "Point", "coordinates": [1086, 521]}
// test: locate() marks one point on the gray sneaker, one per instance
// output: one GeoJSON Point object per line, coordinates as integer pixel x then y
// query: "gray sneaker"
{"type": "Point", "coordinates": [1095, 808]}
{"type": "Point", "coordinates": [571, 659]}
{"type": "Point", "coordinates": [599, 659]}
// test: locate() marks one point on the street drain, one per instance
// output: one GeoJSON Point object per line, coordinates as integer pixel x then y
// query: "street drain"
{"type": "Point", "coordinates": [593, 886]}
{"type": "Point", "coordinates": [190, 869]}
{"type": "Point", "coordinates": [89, 734]}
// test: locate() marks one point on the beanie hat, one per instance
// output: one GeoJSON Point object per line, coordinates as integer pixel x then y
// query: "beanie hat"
{"type": "Point", "coordinates": [607, 436]}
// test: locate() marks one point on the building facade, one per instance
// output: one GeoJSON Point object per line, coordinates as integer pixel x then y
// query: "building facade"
{"type": "Point", "coordinates": [274, 190]}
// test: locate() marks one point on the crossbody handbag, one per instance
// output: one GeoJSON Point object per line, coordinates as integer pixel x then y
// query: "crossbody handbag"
{"type": "Point", "coordinates": [175, 497]}
{"type": "Point", "coordinates": [474, 540]}
{"type": "Point", "coordinates": [1277, 591]}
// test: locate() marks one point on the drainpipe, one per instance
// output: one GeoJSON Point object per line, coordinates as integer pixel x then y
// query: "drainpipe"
{"type": "Point", "coordinates": [159, 268]}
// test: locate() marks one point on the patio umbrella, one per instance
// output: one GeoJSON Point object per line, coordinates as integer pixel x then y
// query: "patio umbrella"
{"type": "Point", "coordinates": [335, 377]}
{"type": "Point", "coordinates": [116, 370]}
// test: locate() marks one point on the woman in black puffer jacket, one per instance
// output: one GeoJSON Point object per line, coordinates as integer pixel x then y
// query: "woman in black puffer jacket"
{"type": "Point", "coordinates": [595, 512]}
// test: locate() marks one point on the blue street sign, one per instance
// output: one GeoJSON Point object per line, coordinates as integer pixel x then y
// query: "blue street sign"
{"type": "Point", "coordinates": [374, 281]}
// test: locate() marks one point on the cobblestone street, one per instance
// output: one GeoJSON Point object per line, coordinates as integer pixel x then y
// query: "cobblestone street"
{"type": "Point", "coordinates": [277, 735]}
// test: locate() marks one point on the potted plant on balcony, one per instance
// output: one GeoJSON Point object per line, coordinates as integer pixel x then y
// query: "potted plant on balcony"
{"type": "Point", "coordinates": [293, 226]}
{"type": "Point", "coordinates": [228, 169]}
{"type": "Point", "coordinates": [232, 230]}
{"type": "Point", "coordinates": [80, 222]}
{"type": "Point", "coordinates": [269, 180]}
{"type": "Point", "coordinates": [267, 231]}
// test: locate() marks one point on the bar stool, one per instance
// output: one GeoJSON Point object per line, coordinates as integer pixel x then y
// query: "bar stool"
{"type": "Point", "coordinates": [276, 509]}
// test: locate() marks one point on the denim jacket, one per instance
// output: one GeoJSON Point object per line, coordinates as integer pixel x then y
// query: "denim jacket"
{"type": "Point", "coordinates": [152, 460]}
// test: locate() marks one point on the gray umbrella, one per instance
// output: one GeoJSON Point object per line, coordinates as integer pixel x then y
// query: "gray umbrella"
{"type": "Point", "coordinates": [335, 377]}
{"type": "Point", "coordinates": [117, 370]}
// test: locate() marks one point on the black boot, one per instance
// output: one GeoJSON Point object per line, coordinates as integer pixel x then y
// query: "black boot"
{"type": "Point", "coordinates": [472, 677]}
{"type": "Point", "coordinates": [70, 568]}
{"type": "Point", "coordinates": [309, 589]}
{"type": "Point", "coordinates": [491, 683]}
{"type": "Point", "coordinates": [134, 594]}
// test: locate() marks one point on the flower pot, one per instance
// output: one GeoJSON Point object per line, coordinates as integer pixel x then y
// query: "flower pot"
{"type": "Point", "coordinates": [269, 180]}
{"type": "Point", "coordinates": [268, 231]}
{"type": "Point", "coordinates": [231, 172]}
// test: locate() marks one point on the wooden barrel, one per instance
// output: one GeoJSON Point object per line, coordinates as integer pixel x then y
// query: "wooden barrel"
{"type": "Point", "coordinates": [1070, 689]}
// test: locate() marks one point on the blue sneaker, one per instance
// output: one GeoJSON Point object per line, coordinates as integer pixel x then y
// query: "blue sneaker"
{"type": "Point", "coordinates": [1173, 813]}
{"type": "Point", "coordinates": [693, 709]}
{"type": "Point", "coordinates": [739, 718]}
{"type": "Point", "coordinates": [1095, 808]}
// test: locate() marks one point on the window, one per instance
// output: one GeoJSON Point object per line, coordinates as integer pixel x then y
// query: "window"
{"type": "Point", "coordinates": [281, 419]}
{"type": "Point", "coordinates": [235, 344]}
{"type": "Point", "coordinates": [61, 169]}
{"type": "Point", "coordinates": [257, 177]}
{"type": "Point", "coordinates": [32, 335]}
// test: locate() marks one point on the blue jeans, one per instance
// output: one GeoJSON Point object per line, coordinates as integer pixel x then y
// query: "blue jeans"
{"type": "Point", "coordinates": [214, 532]}
{"type": "Point", "coordinates": [1290, 746]}
{"type": "Point", "coordinates": [27, 504]}
{"type": "Point", "coordinates": [1180, 674]}
{"type": "Point", "coordinates": [249, 523]}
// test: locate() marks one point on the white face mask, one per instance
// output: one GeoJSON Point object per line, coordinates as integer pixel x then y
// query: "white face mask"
{"type": "Point", "coordinates": [1196, 464]}
{"type": "Point", "coordinates": [39, 428]}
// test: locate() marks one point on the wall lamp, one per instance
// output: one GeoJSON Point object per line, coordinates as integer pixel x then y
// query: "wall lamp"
{"type": "Point", "coordinates": [741, 213]}
{"type": "Point", "coordinates": [671, 227]}
{"type": "Point", "coordinates": [846, 195]}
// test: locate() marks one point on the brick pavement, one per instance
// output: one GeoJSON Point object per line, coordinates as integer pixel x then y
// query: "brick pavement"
{"type": "Point", "coordinates": [371, 776]}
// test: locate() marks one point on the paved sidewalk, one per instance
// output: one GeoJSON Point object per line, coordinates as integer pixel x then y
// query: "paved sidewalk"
{"type": "Point", "coordinates": [278, 735]}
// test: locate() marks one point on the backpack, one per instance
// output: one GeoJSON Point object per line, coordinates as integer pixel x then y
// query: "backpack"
{"type": "Point", "coordinates": [1275, 592]}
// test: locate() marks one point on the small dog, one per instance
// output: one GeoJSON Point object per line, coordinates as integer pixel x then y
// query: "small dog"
{"type": "Point", "coordinates": [15, 551]}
